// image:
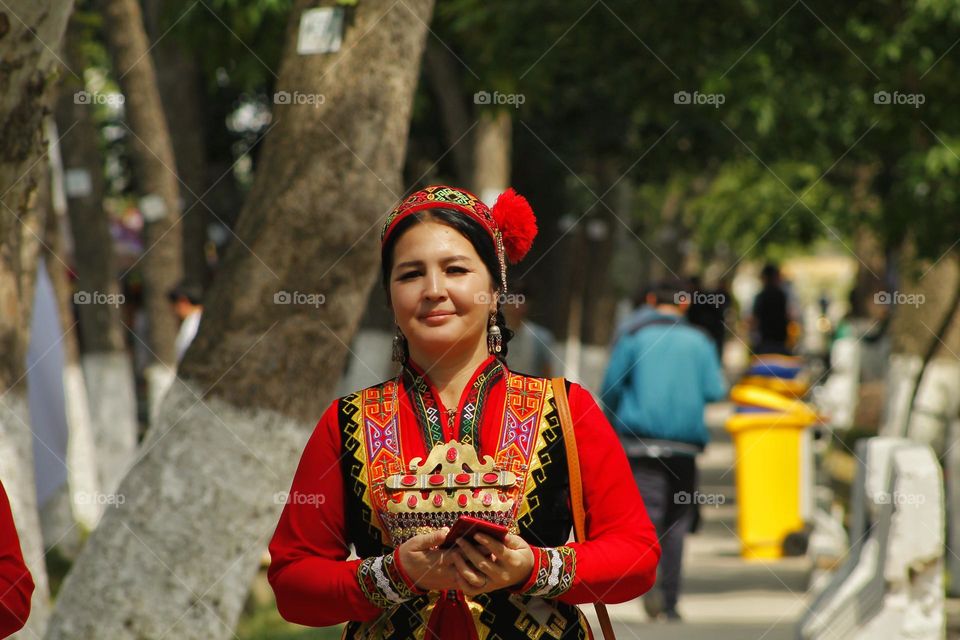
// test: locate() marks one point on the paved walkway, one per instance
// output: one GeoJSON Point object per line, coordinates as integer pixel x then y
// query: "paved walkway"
{"type": "Point", "coordinates": [723, 596]}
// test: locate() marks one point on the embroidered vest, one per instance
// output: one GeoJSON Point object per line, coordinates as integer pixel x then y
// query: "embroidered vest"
{"type": "Point", "coordinates": [523, 485]}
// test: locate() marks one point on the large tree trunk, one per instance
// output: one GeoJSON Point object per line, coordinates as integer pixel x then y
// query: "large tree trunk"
{"type": "Point", "coordinates": [176, 558]}
{"type": "Point", "coordinates": [156, 175]}
{"type": "Point", "coordinates": [106, 364]}
{"type": "Point", "coordinates": [27, 40]}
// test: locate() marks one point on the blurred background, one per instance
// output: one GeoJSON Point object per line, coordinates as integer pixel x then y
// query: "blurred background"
{"type": "Point", "coordinates": [192, 195]}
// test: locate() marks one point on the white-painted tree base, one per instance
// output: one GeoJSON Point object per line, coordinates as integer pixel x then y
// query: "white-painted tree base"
{"type": "Point", "coordinates": [81, 452]}
{"type": "Point", "coordinates": [159, 380]}
{"type": "Point", "coordinates": [113, 413]}
{"type": "Point", "coordinates": [175, 557]}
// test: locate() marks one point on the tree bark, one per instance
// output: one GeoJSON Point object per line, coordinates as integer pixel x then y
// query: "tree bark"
{"type": "Point", "coordinates": [106, 364]}
{"type": "Point", "coordinates": [156, 175]}
{"type": "Point", "coordinates": [491, 155]}
{"type": "Point", "coordinates": [181, 92]}
{"type": "Point", "coordinates": [27, 41]}
{"type": "Point", "coordinates": [177, 556]}
{"type": "Point", "coordinates": [925, 331]}
{"type": "Point", "coordinates": [443, 73]}
{"type": "Point", "coordinates": [82, 485]}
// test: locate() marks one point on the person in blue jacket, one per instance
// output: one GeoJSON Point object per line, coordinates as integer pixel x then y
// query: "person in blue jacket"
{"type": "Point", "coordinates": [662, 372]}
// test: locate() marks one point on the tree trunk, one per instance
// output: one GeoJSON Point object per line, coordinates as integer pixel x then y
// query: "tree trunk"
{"type": "Point", "coordinates": [491, 154]}
{"type": "Point", "coordinates": [176, 557]}
{"type": "Point", "coordinates": [924, 379]}
{"type": "Point", "coordinates": [106, 364]}
{"type": "Point", "coordinates": [82, 485]}
{"type": "Point", "coordinates": [443, 73]}
{"type": "Point", "coordinates": [27, 41]}
{"type": "Point", "coordinates": [602, 227]}
{"type": "Point", "coordinates": [181, 92]}
{"type": "Point", "coordinates": [156, 175]}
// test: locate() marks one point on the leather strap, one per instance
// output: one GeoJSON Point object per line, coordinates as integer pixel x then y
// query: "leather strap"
{"type": "Point", "coordinates": [576, 487]}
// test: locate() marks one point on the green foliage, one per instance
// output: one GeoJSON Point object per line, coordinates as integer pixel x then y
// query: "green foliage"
{"type": "Point", "coordinates": [238, 42]}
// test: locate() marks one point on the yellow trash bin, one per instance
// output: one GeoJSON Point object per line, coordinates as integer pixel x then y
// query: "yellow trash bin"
{"type": "Point", "coordinates": [767, 446]}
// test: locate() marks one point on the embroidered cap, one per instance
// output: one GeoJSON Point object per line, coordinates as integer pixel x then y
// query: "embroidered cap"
{"type": "Point", "coordinates": [510, 224]}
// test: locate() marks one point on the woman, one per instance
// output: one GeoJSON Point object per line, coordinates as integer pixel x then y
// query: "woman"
{"type": "Point", "coordinates": [390, 468]}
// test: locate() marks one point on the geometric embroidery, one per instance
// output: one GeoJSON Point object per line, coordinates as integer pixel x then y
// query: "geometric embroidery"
{"type": "Point", "coordinates": [531, 446]}
{"type": "Point", "coordinates": [426, 406]}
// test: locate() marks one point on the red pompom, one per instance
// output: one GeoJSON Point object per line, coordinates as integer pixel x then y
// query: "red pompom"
{"type": "Point", "coordinates": [516, 222]}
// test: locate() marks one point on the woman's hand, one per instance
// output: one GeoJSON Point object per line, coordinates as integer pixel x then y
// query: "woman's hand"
{"type": "Point", "coordinates": [431, 569]}
{"type": "Point", "coordinates": [488, 564]}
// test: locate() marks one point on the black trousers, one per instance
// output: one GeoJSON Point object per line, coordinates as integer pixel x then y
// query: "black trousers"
{"type": "Point", "coordinates": [668, 487]}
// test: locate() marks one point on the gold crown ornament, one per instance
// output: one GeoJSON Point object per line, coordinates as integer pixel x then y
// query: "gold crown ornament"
{"type": "Point", "coordinates": [451, 482]}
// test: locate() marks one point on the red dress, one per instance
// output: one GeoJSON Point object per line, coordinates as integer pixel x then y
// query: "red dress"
{"type": "Point", "coordinates": [502, 459]}
{"type": "Point", "coordinates": [16, 584]}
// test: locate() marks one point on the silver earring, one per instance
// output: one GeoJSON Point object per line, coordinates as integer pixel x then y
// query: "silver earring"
{"type": "Point", "coordinates": [494, 337]}
{"type": "Point", "coordinates": [399, 347]}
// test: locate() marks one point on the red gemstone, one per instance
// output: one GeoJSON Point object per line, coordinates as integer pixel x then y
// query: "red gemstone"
{"type": "Point", "coordinates": [451, 454]}
{"type": "Point", "coordinates": [408, 481]}
{"type": "Point", "coordinates": [462, 478]}
{"type": "Point", "coordinates": [438, 500]}
{"type": "Point", "coordinates": [491, 477]}
{"type": "Point", "coordinates": [412, 501]}
{"type": "Point", "coordinates": [462, 500]}
{"type": "Point", "coordinates": [487, 499]}
{"type": "Point", "coordinates": [503, 497]}
{"type": "Point", "coordinates": [436, 479]}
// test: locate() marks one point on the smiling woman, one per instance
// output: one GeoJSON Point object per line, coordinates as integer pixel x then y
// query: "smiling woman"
{"type": "Point", "coordinates": [437, 271]}
{"type": "Point", "coordinates": [396, 468]}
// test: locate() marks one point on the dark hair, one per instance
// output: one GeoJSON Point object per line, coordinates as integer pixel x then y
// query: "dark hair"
{"type": "Point", "coordinates": [667, 291]}
{"type": "Point", "coordinates": [189, 292]}
{"type": "Point", "coordinates": [770, 271]}
{"type": "Point", "coordinates": [469, 229]}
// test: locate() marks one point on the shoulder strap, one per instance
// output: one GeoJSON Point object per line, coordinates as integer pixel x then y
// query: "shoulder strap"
{"type": "Point", "coordinates": [576, 487]}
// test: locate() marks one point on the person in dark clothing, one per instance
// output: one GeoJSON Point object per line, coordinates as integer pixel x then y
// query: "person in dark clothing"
{"type": "Point", "coordinates": [708, 311]}
{"type": "Point", "coordinates": [770, 314]}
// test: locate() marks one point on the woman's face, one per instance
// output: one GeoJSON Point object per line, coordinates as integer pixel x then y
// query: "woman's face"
{"type": "Point", "coordinates": [440, 290]}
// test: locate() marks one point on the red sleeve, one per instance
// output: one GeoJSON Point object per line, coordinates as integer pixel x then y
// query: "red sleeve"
{"type": "Point", "coordinates": [16, 583]}
{"type": "Point", "coordinates": [314, 583]}
{"type": "Point", "coordinates": [618, 562]}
